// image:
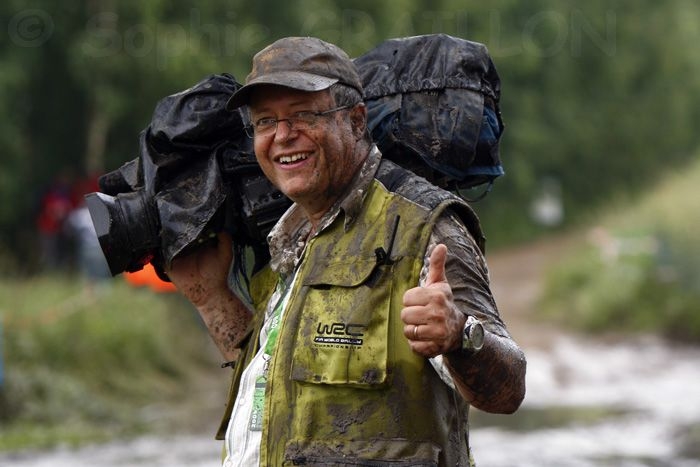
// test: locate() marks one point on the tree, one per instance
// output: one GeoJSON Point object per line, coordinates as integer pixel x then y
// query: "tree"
{"type": "Point", "coordinates": [598, 96]}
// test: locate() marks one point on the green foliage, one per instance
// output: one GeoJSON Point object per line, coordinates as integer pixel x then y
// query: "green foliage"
{"type": "Point", "coordinates": [589, 100]}
{"type": "Point", "coordinates": [596, 95]}
{"type": "Point", "coordinates": [641, 271]}
{"type": "Point", "coordinates": [82, 363]}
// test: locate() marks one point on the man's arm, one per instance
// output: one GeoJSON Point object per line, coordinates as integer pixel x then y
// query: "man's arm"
{"type": "Point", "coordinates": [202, 277]}
{"type": "Point", "coordinates": [492, 379]}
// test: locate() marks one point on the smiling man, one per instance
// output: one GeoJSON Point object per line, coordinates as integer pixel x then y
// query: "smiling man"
{"type": "Point", "coordinates": [313, 154]}
{"type": "Point", "coordinates": [373, 329]}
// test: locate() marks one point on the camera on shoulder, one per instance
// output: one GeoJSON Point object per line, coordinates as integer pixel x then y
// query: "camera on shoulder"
{"type": "Point", "coordinates": [195, 175]}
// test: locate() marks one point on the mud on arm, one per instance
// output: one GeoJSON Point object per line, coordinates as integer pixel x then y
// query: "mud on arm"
{"type": "Point", "coordinates": [493, 379]}
{"type": "Point", "coordinates": [202, 277]}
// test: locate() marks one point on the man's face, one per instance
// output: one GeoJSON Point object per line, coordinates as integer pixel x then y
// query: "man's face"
{"type": "Point", "coordinates": [312, 166]}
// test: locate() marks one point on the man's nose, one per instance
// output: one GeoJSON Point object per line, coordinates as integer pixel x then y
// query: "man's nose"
{"type": "Point", "coordinates": [284, 130]}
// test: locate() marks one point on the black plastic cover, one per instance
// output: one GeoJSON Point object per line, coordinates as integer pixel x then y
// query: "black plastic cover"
{"type": "Point", "coordinates": [435, 98]}
{"type": "Point", "coordinates": [178, 167]}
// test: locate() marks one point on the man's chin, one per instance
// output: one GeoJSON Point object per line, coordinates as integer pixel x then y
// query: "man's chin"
{"type": "Point", "coordinates": [295, 193]}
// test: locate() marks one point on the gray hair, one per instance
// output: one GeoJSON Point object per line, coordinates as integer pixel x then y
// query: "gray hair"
{"type": "Point", "coordinates": [343, 94]}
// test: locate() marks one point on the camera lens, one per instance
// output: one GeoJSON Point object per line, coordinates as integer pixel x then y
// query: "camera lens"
{"type": "Point", "coordinates": [127, 228]}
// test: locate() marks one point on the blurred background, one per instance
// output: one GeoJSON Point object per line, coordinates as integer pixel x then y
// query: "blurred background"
{"type": "Point", "coordinates": [591, 232]}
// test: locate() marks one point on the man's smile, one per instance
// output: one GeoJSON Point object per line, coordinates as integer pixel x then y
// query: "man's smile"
{"type": "Point", "coordinates": [293, 158]}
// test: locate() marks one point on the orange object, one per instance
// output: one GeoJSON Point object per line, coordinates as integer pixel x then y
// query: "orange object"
{"type": "Point", "coordinates": [147, 277]}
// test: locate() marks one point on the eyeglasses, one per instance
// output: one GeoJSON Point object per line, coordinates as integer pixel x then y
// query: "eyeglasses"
{"type": "Point", "coordinates": [299, 121]}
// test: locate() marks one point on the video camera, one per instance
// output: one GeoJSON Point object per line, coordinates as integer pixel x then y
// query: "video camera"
{"type": "Point", "coordinates": [196, 175]}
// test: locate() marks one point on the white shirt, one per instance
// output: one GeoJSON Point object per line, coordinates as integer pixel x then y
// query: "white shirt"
{"type": "Point", "coordinates": [244, 432]}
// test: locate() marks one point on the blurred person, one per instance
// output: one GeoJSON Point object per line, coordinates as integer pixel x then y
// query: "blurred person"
{"type": "Point", "coordinates": [88, 254]}
{"type": "Point", "coordinates": [54, 207]}
{"type": "Point", "coordinates": [373, 329]}
{"type": "Point", "coordinates": [90, 259]}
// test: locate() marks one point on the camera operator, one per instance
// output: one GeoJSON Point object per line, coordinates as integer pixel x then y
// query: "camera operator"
{"type": "Point", "coordinates": [373, 329]}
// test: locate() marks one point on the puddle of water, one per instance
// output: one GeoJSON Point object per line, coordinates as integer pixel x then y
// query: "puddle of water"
{"type": "Point", "coordinates": [627, 404]}
{"type": "Point", "coordinates": [175, 451]}
{"type": "Point", "coordinates": [539, 418]}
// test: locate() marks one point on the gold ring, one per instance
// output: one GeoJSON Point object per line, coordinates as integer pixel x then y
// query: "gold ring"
{"type": "Point", "coordinates": [415, 332]}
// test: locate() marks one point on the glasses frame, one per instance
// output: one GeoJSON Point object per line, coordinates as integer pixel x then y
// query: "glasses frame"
{"type": "Point", "coordinates": [292, 121]}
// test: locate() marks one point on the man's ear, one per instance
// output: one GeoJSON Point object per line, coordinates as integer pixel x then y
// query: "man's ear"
{"type": "Point", "coordinates": [358, 119]}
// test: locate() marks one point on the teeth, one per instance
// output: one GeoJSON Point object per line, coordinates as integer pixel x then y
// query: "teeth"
{"type": "Point", "coordinates": [292, 158]}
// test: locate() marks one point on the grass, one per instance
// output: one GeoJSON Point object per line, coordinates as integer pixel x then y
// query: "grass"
{"type": "Point", "coordinates": [640, 270]}
{"type": "Point", "coordinates": [85, 363]}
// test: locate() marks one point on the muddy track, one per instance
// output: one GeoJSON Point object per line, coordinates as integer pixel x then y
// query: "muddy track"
{"type": "Point", "coordinates": [517, 278]}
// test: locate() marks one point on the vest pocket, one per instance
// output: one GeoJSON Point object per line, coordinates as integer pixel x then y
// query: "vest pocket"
{"type": "Point", "coordinates": [343, 330]}
{"type": "Point", "coordinates": [369, 453]}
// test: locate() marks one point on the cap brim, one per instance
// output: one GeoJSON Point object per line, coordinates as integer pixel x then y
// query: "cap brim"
{"type": "Point", "coordinates": [289, 79]}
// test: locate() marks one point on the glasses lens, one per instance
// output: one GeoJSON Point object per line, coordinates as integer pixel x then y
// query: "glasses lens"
{"type": "Point", "coordinates": [300, 121]}
{"type": "Point", "coordinates": [264, 127]}
{"type": "Point", "coordinates": [303, 120]}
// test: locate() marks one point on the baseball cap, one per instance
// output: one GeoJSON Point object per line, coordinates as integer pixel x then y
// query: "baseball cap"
{"type": "Point", "coordinates": [303, 63]}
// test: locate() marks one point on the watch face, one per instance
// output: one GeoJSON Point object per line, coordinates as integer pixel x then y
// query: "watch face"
{"type": "Point", "coordinates": [473, 336]}
{"type": "Point", "coordinates": [477, 336]}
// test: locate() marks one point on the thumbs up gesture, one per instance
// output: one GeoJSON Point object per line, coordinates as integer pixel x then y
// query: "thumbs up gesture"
{"type": "Point", "coordinates": [432, 323]}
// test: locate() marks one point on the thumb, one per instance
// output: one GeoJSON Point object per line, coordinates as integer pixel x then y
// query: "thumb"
{"type": "Point", "coordinates": [436, 270]}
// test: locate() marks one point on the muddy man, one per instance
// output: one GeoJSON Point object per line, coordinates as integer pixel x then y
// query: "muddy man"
{"type": "Point", "coordinates": [373, 329]}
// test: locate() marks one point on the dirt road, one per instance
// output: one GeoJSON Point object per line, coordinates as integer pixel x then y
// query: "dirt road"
{"type": "Point", "coordinates": [517, 281]}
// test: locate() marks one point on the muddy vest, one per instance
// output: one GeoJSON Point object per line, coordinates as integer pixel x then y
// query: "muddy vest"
{"type": "Point", "coordinates": [344, 388]}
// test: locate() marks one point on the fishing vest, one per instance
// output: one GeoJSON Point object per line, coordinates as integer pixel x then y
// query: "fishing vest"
{"type": "Point", "coordinates": [344, 387]}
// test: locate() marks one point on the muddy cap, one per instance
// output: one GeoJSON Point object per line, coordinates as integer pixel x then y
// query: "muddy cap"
{"type": "Point", "coordinates": [303, 63]}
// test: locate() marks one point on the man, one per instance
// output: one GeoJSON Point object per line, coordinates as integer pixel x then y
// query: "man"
{"type": "Point", "coordinates": [354, 350]}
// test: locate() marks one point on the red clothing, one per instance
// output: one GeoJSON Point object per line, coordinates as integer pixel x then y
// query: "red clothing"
{"type": "Point", "coordinates": [55, 207]}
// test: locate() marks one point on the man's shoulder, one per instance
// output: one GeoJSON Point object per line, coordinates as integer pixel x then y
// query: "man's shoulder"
{"type": "Point", "coordinates": [407, 184]}
{"type": "Point", "coordinates": [422, 192]}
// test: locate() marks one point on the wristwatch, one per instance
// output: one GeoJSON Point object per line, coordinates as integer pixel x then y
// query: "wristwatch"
{"type": "Point", "coordinates": [473, 335]}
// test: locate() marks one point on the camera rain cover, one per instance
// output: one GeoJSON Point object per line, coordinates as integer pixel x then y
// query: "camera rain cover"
{"type": "Point", "coordinates": [178, 168]}
{"type": "Point", "coordinates": [435, 97]}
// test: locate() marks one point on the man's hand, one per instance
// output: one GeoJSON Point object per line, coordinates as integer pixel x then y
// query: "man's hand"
{"type": "Point", "coordinates": [433, 325]}
{"type": "Point", "coordinates": [202, 277]}
{"type": "Point", "coordinates": [203, 273]}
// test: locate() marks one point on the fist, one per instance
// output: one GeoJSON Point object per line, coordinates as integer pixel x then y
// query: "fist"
{"type": "Point", "coordinates": [432, 323]}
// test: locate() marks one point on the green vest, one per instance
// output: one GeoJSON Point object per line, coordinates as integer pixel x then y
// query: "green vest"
{"type": "Point", "coordinates": [344, 387]}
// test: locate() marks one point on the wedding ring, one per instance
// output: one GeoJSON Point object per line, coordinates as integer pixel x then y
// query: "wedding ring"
{"type": "Point", "coordinates": [415, 332]}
